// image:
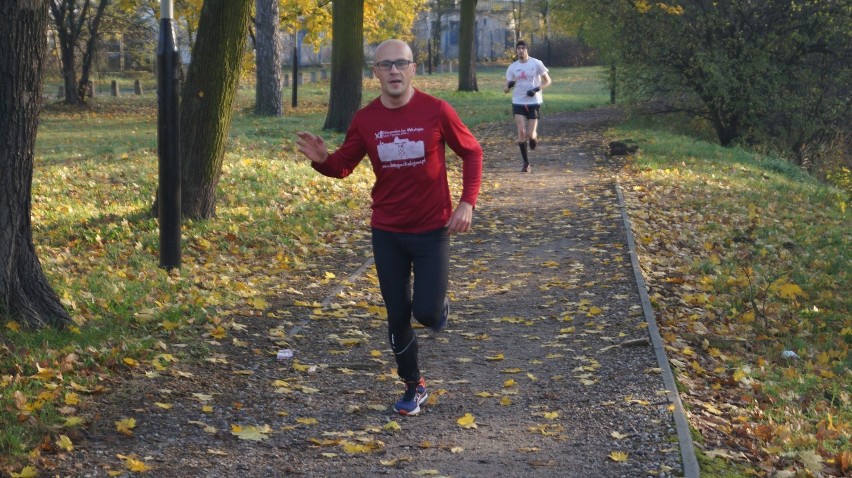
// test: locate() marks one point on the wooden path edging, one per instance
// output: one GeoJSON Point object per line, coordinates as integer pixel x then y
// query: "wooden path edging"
{"type": "Point", "coordinates": [684, 435]}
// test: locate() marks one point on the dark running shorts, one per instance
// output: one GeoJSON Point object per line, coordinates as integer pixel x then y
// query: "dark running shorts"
{"type": "Point", "coordinates": [530, 111]}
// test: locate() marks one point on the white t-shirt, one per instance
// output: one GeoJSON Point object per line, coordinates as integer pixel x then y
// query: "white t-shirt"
{"type": "Point", "coordinates": [526, 75]}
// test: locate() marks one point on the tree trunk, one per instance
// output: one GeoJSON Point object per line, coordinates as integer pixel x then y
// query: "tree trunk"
{"type": "Point", "coordinates": [25, 294]}
{"type": "Point", "coordinates": [268, 49]}
{"type": "Point", "coordinates": [467, 47]}
{"type": "Point", "coordinates": [64, 20]}
{"type": "Point", "coordinates": [347, 63]}
{"type": "Point", "coordinates": [89, 50]}
{"type": "Point", "coordinates": [207, 102]}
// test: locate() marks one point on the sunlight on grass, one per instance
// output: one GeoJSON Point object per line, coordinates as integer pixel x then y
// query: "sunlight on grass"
{"type": "Point", "coordinates": [754, 256]}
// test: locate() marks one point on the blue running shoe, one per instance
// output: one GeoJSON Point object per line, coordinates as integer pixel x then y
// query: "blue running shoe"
{"type": "Point", "coordinates": [442, 321]}
{"type": "Point", "coordinates": [415, 395]}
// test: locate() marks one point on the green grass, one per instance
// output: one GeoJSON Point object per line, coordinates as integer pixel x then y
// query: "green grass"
{"type": "Point", "coordinates": [762, 251]}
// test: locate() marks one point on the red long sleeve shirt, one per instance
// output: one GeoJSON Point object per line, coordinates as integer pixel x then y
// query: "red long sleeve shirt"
{"type": "Point", "coordinates": [406, 147]}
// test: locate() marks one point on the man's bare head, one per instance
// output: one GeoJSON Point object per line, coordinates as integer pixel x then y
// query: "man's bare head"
{"type": "Point", "coordinates": [394, 67]}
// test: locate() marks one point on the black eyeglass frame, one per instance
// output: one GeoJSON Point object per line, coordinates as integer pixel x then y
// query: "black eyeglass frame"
{"type": "Point", "coordinates": [386, 65]}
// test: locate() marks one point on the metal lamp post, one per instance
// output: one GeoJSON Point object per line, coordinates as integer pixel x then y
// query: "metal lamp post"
{"type": "Point", "coordinates": [297, 47]}
{"type": "Point", "coordinates": [168, 135]}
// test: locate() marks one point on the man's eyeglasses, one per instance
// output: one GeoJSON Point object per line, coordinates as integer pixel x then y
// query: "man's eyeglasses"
{"type": "Point", "coordinates": [386, 65]}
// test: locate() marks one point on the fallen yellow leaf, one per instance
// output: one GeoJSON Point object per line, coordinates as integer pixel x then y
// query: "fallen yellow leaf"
{"type": "Point", "coordinates": [125, 426]}
{"type": "Point", "coordinates": [73, 421]}
{"type": "Point", "coordinates": [392, 425]}
{"type": "Point", "coordinates": [467, 421]}
{"type": "Point", "coordinates": [133, 464]}
{"type": "Point", "coordinates": [251, 433]}
{"type": "Point", "coordinates": [26, 472]}
{"type": "Point", "coordinates": [368, 447]}
{"type": "Point", "coordinates": [65, 443]}
{"type": "Point", "coordinates": [619, 456]}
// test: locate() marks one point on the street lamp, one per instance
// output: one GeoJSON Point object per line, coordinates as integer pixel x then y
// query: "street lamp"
{"type": "Point", "coordinates": [297, 46]}
{"type": "Point", "coordinates": [168, 136]}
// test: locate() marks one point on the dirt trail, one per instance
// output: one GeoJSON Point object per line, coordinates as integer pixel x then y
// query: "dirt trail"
{"type": "Point", "coordinates": [542, 295]}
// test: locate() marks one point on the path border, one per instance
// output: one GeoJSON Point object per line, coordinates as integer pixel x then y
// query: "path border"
{"type": "Point", "coordinates": [684, 434]}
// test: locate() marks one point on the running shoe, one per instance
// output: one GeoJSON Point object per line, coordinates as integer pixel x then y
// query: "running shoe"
{"type": "Point", "coordinates": [533, 143]}
{"type": "Point", "coordinates": [442, 321]}
{"type": "Point", "coordinates": [415, 395]}
{"type": "Point", "coordinates": [526, 168]}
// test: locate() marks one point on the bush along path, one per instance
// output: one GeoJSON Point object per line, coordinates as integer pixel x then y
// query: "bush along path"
{"type": "Point", "coordinates": [545, 368]}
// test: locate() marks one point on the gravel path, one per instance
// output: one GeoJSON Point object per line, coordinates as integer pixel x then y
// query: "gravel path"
{"type": "Point", "coordinates": [546, 349]}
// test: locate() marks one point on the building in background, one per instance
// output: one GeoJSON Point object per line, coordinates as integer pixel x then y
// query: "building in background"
{"type": "Point", "coordinates": [439, 29]}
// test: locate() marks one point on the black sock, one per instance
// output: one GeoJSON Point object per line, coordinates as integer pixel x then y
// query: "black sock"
{"type": "Point", "coordinates": [523, 147]}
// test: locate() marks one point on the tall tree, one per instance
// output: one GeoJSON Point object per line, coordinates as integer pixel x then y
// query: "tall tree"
{"type": "Point", "coordinates": [77, 28]}
{"type": "Point", "coordinates": [440, 9]}
{"type": "Point", "coordinates": [772, 72]}
{"type": "Point", "coordinates": [467, 47]}
{"type": "Point", "coordinates": [518, 18]}
{"type": "Point", "coordinates": [268, 57]}
{"type": "Point", "coordinates": [207, 102]}
{"type": "Point", "coordinates": [347, 63]}
{"type": "Point", "coordinates": [385, 19]}
{"type": "Point", "coordinates": [24, 291]}
{"type": "Point", "coordinates": [543, 23]}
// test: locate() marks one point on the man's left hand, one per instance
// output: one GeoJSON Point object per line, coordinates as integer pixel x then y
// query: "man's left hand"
{"type": "Point", "coordinates": [461, 219]}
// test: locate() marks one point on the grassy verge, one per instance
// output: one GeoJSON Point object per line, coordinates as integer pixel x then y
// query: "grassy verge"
{"type": "Point", "coordinates": [94, 183]}
{"type": "Point", "coordinates": [748, 264]}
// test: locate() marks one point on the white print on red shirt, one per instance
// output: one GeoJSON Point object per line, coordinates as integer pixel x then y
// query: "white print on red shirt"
{"type": "Point", "coordinates": [400, 152]}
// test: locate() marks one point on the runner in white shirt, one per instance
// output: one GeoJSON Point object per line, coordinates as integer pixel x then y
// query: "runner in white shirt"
{"type": "Point", "coordinates": [528, 76]}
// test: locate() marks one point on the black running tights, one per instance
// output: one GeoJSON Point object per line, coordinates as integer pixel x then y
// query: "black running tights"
{"type": "Point", "coordinates": [396, 254]}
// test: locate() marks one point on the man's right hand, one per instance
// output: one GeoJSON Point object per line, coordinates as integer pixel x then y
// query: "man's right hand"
{"type": "Point", "coordinates": [312, 146]}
